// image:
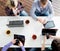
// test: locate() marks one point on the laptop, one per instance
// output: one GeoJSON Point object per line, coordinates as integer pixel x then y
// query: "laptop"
{"type": "Point", "coordinates": [16, 23]}
{"type": "Point", "coordinates": [49, 31]}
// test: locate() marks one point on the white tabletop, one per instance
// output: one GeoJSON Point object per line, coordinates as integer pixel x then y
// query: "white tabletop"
{"type": "Point", "coordinates": [34, 27]}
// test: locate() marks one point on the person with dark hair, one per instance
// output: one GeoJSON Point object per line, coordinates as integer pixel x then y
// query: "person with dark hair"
{"type": "Point", "coordinates": [5, 48]}
{"type": "Point", "coordinates": [42, 8]}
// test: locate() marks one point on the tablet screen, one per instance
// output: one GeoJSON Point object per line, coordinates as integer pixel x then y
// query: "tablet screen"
{"type": "Point", "coordinates": [49, 24]}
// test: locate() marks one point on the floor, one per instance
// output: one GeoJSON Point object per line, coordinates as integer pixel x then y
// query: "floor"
{"type": "Point", "coordinates": [28, 3]}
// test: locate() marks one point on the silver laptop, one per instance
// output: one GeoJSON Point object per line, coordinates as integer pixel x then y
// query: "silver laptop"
{"type": "Point", "coordinates": [16, 23]}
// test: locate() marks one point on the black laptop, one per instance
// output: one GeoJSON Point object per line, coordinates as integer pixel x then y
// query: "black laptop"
{"type": "Point", "coordinates": [16, 23]}
{"type": "Point", "coordinates": [49, 31]}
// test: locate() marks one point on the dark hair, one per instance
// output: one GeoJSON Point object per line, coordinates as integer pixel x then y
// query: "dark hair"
{"type": "Point", "coordinates": [43, 1]}
{"type": "Point", "coordinates": [55, 45]}
{"type": "Point", "coordinates": [12, 3]}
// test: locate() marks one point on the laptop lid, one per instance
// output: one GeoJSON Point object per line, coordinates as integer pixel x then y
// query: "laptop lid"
{"type": "Point", "coordinates": [49, 31]}
{"type": "Point", "coordinates": [17, 23]}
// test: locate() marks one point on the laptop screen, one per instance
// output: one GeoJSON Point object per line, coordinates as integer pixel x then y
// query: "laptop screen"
{"type": "Point", "coordinates": [17, 22]}
{"type": "Point", "coordinates": [49, 31]}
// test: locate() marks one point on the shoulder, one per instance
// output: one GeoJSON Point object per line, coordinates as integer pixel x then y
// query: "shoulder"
{"type": "Point", "coordinates": [49, 2]}
{"type": "Point", "coordinates": [20, 3]}
{"type": "Point", "coordinates": [35, 3]}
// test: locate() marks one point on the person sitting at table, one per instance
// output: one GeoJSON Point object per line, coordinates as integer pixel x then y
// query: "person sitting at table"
{"type": "Point", "coordinates": [5, 48]}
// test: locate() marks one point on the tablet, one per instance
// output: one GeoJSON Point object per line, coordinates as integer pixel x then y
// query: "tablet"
{"type": "Point", "coordinates": [19, 38]}
{"type": "Point", "coordinates": [49, 24]}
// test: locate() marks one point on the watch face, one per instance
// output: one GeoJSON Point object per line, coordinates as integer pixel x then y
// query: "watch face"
{"type": "Point", "coordinates": [19, 38]}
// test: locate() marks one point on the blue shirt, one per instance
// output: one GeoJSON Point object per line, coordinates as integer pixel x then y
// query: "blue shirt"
{"type": "Point", "coordinates": [36, 5]}
{"type": "Point", "coordinates": [8, 45]}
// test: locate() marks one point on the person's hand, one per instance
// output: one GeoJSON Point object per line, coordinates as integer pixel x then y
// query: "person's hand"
{"type": "Point", "coordinates": [18, 11]}
{"type": "Point", "coordinates": [14, 41]}
{"type": "Point", "coordinates": [20, 43]}
{"type": "Point", "coordinates": [43, 21]}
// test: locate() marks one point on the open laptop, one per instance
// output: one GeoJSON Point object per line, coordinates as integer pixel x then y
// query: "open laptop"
{"type": "Point", "coordinates": [49, 31]}
{"type": "Point", "coordinates": [16, 23]}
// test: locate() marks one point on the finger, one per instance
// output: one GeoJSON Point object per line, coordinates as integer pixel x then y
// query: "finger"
{"type": "Point", "coordinates": [15, 39]}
